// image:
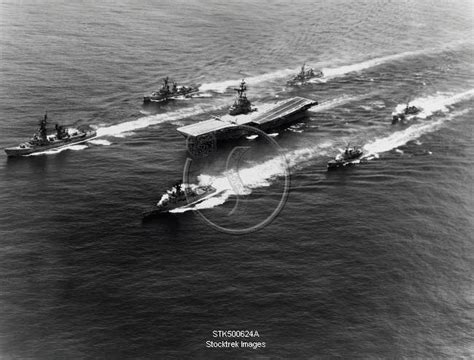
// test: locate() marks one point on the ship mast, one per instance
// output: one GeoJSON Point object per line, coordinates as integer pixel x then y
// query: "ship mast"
{"type": "Point", "coordinates": [241, 90]}
{"type": "Point", "coordinates": [43, 132]}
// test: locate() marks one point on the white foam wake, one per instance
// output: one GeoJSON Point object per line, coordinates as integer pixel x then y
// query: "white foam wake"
{"type": "Point", "coordinates": [256, 176]}
{"type": "Point", "coordinates": [436, 103]}
{"type": "Point", "coordinates": [126, 128]}
{"type": "Point", "coordinates": [367, 64]}
{"type": "Point", "coordinates": [63, 148]}
{"type": "Point", "coordinates": [102, 142]}
{"type": "Point", "coordinates": [326, 105]}
{"type": "Point", "coordinates": [122, 129]}
{"type": "Point", "coordinates": [222, 86]}
{"type": "Point", "coordinates": [261, 175]}
{"type": "Point", "coordinates": [345, 69]}
{"type": "Point", "coordinates": [402, 137]}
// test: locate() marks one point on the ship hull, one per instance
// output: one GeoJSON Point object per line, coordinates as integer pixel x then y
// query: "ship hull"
{"type": "Point", "coordinates": [404, 116]}
{"type": "Point", "coordinates": [172, 96]}
{"type": "Point", "coordinates": [185, 203]}
{"type": "Point", "coordinates": [302, 81]}
{"type": "Point", "coordinates": [19, 151]}
{"type": "Point", "coordinates": [270, 117]}
{"type": "Point", "coordinates": [333, 164]}
{"type": "Point", "coordinates": [348, 158]}
{"type": "Point", "coordinates": [336, 164]}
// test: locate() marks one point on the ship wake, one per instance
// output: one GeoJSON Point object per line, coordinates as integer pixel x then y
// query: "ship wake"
{"type": "Point", "coordinates": [73, 147]}
{"type": "Point", "coordinates": [437, 103]}
{"type": "Point", "coordinates": [222, 86]}
{"type": "Point", "coordinates": [329, 73]}
{"type": "Point", "coordinates": [265, 173]}
{"type": "Point", "coordinates": [241, 182]}
{"type": "Point", "coordinates": [412, 133]}
{"type": "Point", "coordinates": [367, 64]}
{"type": "Point", "coordinates": [125, 129]}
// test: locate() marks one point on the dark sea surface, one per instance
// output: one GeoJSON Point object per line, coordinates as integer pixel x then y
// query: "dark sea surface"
{"type": "Point", "coordinates": [371, 262]}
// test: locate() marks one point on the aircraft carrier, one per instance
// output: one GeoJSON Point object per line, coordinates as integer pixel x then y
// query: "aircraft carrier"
{"type": "Point", "coordinates": [265, 118]}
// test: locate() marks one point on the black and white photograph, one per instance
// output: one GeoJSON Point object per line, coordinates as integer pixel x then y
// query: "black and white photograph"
{"type": "Point", "coordinates": [208, 179]}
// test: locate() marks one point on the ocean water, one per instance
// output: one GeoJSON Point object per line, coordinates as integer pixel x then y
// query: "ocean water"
{"type": "Point", "coordinates": [371, 262]}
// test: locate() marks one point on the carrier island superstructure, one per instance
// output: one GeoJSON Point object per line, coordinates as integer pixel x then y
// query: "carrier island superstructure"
{"type": "Point", "coordinates": [267, 117]}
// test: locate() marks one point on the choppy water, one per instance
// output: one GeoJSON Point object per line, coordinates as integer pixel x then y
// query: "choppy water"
{"type": "Point", "coordinates": [375, 261]}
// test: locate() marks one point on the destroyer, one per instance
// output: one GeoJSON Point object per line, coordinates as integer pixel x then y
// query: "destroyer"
{"type": "Point", "coordinates": [167, 92]}
{"type": "Point", "coordinates": [265, 118]}
{"type": "Point", "coordinates": [42, 141]}
{"type": "Point", "coordinates": [304, 75]}
{"type": "Point", "coordinates": [179, 198]}
{"type": "Point", "coordinates": [406, 114]}
{"type": "Point", "coordinates": [347, 158]}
